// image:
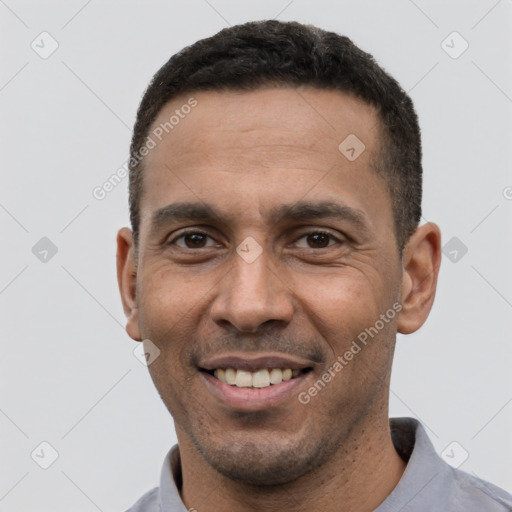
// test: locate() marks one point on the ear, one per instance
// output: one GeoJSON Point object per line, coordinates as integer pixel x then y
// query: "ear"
{"type": "Point", "coordinates": [421, 260]}
{"type": "Point", "coordinates": [127, 280]}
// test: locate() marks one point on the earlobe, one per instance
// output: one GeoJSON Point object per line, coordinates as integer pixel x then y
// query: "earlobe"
{"type": "Point", "coordinates": [127, 281]}
{"type": "Point", "coordinates": [421, 262]}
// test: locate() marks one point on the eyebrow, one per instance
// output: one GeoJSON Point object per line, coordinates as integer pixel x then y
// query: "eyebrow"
{"type": "Point", "coordinates": [179, 212]}
{"type": "Point", "coordinates": [300, 211]}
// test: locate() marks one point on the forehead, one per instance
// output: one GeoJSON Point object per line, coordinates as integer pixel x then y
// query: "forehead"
{"type": "Point", "coordinates": [309, 119]}
{"type": "Point", "coordinates": [261, 147]}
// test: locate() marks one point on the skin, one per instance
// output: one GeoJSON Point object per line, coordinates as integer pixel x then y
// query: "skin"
{"type": "Point", "coordinates": [306, 295]}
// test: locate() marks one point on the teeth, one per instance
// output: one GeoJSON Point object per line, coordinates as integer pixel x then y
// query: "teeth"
{"type": "Point", "coordinates": [276, 376]}
{"type": "Point", "coordinates": [259, 379]}
{"type": "Point", "coordinates": [220, 374]}
{"type": "Point", "coordinates": [230, 376]}
{"type": "Point", "coordinates": [243, 379]}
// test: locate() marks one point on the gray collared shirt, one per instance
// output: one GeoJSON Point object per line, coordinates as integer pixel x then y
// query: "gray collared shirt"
{"type": "Point", "coordinates": [428, 484]}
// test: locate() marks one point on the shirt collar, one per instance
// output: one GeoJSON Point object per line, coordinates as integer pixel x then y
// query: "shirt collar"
{"type": "Point", "coordinates": [426, 474]}
{"type": "Point", "coordinates": [170, 483]}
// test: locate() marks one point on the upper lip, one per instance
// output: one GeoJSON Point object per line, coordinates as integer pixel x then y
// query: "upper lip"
{"type": "Point", "coordinates": [252, 362]}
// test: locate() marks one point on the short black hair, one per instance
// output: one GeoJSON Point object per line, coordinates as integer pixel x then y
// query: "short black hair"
{"type": "Point", "coordinates": [270, 53]}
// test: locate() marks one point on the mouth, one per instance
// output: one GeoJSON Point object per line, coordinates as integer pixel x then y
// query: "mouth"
{"type": "Point", "coordinates": [251, 383]}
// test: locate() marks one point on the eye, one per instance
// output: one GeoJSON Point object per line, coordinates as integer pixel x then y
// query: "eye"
{"type": "Point", "coordinates": [316, 240]}
{"type": "Point", "coordinates": [193, 240]}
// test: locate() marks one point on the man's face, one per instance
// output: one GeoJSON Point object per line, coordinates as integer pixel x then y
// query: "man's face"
{"type": "Point", "coordinates": [297, 260]}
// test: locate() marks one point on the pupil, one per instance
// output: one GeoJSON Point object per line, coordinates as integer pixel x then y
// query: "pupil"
{"type": "Point", "coordinates": [195, 240]}
{"type": "Point", "coordinates": [318, 240]}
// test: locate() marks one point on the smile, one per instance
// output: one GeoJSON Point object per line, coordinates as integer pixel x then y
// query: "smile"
{"type": "Point", "coordinates": [251, 382]}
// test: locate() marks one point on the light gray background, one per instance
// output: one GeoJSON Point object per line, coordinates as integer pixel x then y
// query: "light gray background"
{"type": "Point", "coordinates": [68, 374]}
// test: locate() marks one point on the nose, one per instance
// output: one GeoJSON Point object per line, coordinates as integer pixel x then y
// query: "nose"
{"type": "Point", "coordinates": [252, 294]}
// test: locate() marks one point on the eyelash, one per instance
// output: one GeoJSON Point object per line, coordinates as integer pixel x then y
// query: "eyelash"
{"type": "Point", "coordinates": [309, 233]}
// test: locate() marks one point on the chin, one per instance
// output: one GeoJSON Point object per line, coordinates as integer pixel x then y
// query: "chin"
{"type": "Point", "coordinates": [272, 462]}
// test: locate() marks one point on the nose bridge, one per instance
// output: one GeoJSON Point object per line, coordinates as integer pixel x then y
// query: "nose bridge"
{"type": "Point", "coordinates": [252, 293]}
{"type": "Point", "coordinates": [252, 279]}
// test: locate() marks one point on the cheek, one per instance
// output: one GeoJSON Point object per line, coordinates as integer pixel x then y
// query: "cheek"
{"type": "Point", "coordinates": [163, 298]}
{"type": "Point", "coordinates": [341, 306]}
{"type": "Point", "coordinates": [168, 319]}
{"type": "Point", "coordinates": [165, 317]}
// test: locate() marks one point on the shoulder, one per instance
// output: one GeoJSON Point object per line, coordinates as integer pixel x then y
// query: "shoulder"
{"type": "Point", "coordinates": [430, 484]}
{"type": "Point", "coordinates": [472, 493]}
{"type": "Point", "coordinates": [166, 497]}
{"type": "Point", "coordinates": [147, 503]}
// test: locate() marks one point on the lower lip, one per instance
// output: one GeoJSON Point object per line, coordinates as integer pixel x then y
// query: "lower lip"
{"type": "Point", "coordinates": [253, 399]}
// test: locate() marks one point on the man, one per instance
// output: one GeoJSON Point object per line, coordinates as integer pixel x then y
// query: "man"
{"type": "Point", "coordinates": [275, 252]}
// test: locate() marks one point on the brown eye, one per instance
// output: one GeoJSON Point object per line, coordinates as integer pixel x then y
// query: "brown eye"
{"type": "Point", "coordinates": [316, 240]}
{"type": "Point", "coordinates": [193, 240]}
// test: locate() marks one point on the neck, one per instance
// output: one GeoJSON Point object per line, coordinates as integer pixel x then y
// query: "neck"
{"type": "Point", "coordinates": [358, 477]}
